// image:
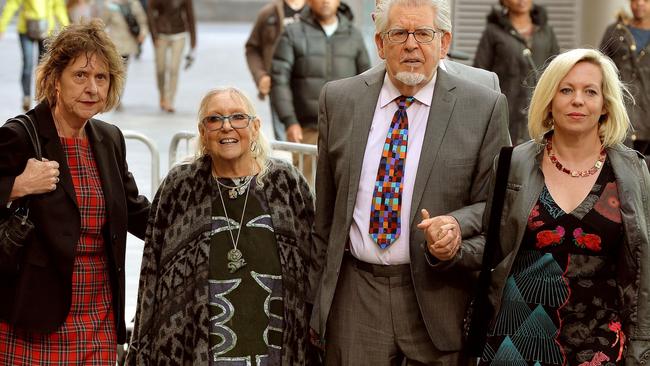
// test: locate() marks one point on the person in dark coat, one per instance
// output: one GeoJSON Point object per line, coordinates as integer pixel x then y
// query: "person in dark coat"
{"type": "Point", "coordinates": [269, 25]}
{"type": "Point", "coordinates": [516, 43]}
{"type": "Point", "coordinates": [63, 293]}
{"type": "Point", "coordinates": [323, 46]}
{"type": "Point", "coordinates": [627, 43]}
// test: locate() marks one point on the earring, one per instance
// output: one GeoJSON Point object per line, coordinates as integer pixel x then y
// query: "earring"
{"type": "Point", "coordinates": [254, 146]}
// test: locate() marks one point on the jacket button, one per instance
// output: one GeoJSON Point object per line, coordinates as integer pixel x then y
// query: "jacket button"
{"type": "Point", "coordinates": [633, 47]}
{"type": "Point", "coordinates": [114, 237]}
{"type": "Point", "coordinates": [119, 269]}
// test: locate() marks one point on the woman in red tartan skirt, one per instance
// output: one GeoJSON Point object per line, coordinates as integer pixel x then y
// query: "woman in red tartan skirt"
{"type": "Point", "coordinates": [63, 289]}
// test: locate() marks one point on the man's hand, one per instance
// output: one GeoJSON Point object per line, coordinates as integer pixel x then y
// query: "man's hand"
{"type": "Point", "coordinates": [442, 234]}
{"type": "Point", "coordinates": [38, 177]}
{"type": "Point", "coordinates": [264, 85]}
{"type": "Point", "coordinates": [294, 133]}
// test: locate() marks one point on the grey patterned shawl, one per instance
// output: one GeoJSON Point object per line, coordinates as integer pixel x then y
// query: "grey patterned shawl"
{"type": "Point", "coordinates": [172, 318]}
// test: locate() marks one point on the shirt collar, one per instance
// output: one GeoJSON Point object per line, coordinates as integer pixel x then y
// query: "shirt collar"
{"type": "Point", "coordinates": [389, 92]}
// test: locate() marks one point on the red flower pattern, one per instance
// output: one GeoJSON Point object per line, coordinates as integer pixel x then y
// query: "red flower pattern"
{"type": "Point", "coordinates": [532, 225]}
{"type": "Point", "coordinates": [589, 241]}
{"type": "Point", "coordinates": [549, 237]}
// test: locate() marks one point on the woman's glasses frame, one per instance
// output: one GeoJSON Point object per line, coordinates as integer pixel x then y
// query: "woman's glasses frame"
{"type": "Point", "coordinates": [236, 120]}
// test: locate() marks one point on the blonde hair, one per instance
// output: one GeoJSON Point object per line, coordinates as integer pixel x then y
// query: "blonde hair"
{"type": "Point", "coordinates": [74, 41]}
{"type": "Point", "coordinates": [263, 150]}
{"type": "Point", "coordinates": [614, 125]}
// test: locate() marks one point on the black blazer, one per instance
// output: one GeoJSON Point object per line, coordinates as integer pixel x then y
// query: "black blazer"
{"type": "Point", "coordinates": [37, 296]}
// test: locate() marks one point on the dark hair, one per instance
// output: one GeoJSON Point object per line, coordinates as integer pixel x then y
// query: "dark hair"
{"type": "Point", "coordinates": [79, 40]}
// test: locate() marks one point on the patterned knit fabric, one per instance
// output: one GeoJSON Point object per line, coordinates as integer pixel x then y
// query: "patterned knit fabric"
{"type": "Point", "coordinates": [385, 217]}
{"type": "Point", "coordinates": [88, 335]}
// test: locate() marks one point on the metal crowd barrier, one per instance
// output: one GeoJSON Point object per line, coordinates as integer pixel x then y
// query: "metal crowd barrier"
{"type": "Point", "coordinates": [155, 156]}
{"type": "Point", "coordinates": [302, 150]}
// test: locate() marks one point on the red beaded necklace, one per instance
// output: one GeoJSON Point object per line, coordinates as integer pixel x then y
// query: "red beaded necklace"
{"type": "Point", "coordinates": [574, 173]}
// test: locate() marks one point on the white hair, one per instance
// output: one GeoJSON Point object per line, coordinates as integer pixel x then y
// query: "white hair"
{"type": "Point", "coordinates": [443, 13]}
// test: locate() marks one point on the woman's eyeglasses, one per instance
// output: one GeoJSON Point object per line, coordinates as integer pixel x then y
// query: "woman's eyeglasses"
{"type": "Point", "coordinates": [237, 120]}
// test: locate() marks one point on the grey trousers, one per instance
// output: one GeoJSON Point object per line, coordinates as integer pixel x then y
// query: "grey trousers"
{"type": "Point", "coordinates": [375, 320]}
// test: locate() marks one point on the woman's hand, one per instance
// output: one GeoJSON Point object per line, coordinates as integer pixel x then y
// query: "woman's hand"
{"type": "Point", "coordinates": [38, 177]}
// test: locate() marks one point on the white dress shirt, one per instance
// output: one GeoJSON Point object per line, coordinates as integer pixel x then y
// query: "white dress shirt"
{"type": "Point", "coordinates": [361, 244]}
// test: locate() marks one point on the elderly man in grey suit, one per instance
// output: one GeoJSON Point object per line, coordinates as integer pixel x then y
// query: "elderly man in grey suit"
{"type": "Point", "coordinates": [473, 74]}
{"type": "Point", "coordinates": [405, 154]}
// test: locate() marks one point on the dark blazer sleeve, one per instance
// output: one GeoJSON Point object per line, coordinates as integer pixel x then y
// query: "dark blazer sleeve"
{"type": "Point", "coordinates": [15, 150]}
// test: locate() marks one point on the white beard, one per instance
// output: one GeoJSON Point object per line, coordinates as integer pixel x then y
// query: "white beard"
{"type": "Point", "coordinates": [410, 78]}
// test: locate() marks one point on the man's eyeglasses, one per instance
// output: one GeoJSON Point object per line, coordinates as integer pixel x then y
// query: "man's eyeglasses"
{"type": "Point", "coordinates": [237, 120]}
{"type": "Point", "coordinates": [422, 35]}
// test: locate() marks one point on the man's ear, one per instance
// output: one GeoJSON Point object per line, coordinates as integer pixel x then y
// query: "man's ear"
{"type": "Point", "coordinates": [445, 44]}
{"type": "Point", "coordinates": [379, 41]}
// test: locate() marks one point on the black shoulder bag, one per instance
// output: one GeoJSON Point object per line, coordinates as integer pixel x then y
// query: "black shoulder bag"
{"type": "Point", "coordinates": [480, 311]}
{"type": "Point", "coordinates": [16, 228]}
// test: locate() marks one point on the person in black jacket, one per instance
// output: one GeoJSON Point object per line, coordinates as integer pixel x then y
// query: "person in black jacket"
{"type": "Point", "coordinates": [516, 44]}
{"type": "Point", "coordinates": [627, 43]}
{"type": "Point", "coordinates": [63, 294]}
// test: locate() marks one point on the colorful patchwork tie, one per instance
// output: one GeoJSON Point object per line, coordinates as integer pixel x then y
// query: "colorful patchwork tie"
{"type": "Point", "coordinates": [385, 219]}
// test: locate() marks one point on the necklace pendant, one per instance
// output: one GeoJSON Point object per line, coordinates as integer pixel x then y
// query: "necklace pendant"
{"type": "Point", "coordinates": [232, 193]}
{"type": "Point", "coordinates": [235, 260]}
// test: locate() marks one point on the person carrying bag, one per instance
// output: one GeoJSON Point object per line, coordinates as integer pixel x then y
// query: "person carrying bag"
{"type": "Point", "coordinates": [16, 228]}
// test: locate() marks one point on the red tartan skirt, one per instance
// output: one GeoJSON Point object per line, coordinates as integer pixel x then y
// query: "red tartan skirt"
{"type": "Point", "coordinates": [88, 336]}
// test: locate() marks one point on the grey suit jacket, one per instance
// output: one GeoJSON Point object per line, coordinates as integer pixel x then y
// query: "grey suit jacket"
{"type": "Point", "coordinates": [467, 125]}
{"type": "Point", "coordinates": [473, 74]}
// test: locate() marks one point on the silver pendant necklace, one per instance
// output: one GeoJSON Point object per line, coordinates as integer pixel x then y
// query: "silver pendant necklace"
{"type": "Point", "coordinates": [235, 256]}
{"type": "Point", "coordinates": [238, 189]}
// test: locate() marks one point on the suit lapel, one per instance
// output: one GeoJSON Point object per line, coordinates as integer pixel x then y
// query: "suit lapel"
{"type": "Point", "coordinates": [364, 111]}
{"type": "Point", "coordinates": [52, 147]}
{"type": "Point", "coordinates": [442, 106]}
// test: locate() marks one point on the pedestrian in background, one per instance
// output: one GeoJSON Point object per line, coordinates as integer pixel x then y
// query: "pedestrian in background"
{"type": "Point", "coordinates": [63, 296]}
{"type": "Point", "coordinates": [126, 24]}
{"type": "Point", "coordinates": [269, 25]}
{"type": "Point", "coordinates": [323, 46]}
{"type": "Point", "coordinates": [516, 43]}
{"type": "Point", "coordinates": [170, 21]}
{"type": "Point", "coordinates": [224, 276]}
{"type": "Point", "coordinates": [81, 10]}
{"type": "Point", "coordinates": [627, 43]}
{"type": "Point", "coordinates": [569, 279]}
{"type": "Point", "coordinates": [37, 19]}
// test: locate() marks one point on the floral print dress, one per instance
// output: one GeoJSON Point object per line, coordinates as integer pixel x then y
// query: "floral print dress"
{"type": "Point", "coordinates": [559, 304]}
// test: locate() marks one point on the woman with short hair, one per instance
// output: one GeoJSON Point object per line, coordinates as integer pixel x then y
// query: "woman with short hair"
{"type": "Point", "coordinates": [63, 293]}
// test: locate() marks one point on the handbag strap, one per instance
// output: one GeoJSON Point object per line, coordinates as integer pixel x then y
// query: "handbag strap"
{"type": "Point", "coordinates": [494, 225]}
{"type": "Point", "coordinates": [28, 125]}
